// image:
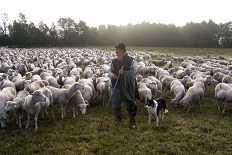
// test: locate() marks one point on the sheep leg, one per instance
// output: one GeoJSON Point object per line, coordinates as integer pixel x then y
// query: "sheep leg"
{"type": "Point", "coordinates": [36, 119]}
{"type": "Point", "coordinates": [62, 112]}
{"type": "Point", "coordinates": [225, 105]}
{"type": "Point", "coordinates": [149, 119]}
{"type": "Point", "coordinates": [20, 123]}
{"type": "Point", "coordinates": [28, 120]}
{"type": "Point", "coordinates": [189, 107]}
{"type": "Point", "coordinates": [157, 120]}
{"type": "Point", "coordinates": [199, 103]}
{"type": "Point", "coordinates": [219, 109]}
{"type": "Point", "coordinates": [46, 112]}
{"type": "Point", "coordinates": [43, 115]}
{"type": "Point", "coordinates": [74, 111]}
{"type": "Point", "coordinates": [17, 120]}
{"type": "Point", "coordinates": [53, 116]}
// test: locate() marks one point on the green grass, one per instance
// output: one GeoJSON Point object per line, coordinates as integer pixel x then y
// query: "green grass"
{"type": "Point", "coordinates": [198, 132]}
{"type": "Point", "coordinates": [178, 51]}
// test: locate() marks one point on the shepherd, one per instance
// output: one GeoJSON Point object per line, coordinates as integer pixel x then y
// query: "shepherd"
{"type": "Point", "coordinates": [124, 67]}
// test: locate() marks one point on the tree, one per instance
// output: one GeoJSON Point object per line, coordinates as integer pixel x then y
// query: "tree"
{"type": "Point", "coordinates": [67, 31]}
{"type": "Point", "coordinates": [4, 21]}
{"type": "Point", "coordinates": [19, 31]}
{"type": "Point", "coordinates": [225, 35]}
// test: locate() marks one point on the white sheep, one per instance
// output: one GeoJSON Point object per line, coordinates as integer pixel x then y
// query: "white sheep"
{"type": "Point", "coordinates": [31, 87]}
{"type": "Point", "coordinates": [157, 86]}
{"type": "Point", "coordinates": [38, 102]}
{"type": "Point", "coordinates": [7, 83]}
{"type": "Point", "coordinates": [227, 79]}
{"type": "Point", "coordinates": [223, 93]}
{"type": "Point", "coordinates": [78, 101]}
{"type": "Point", "coordinates": [7, 94]}
{"type": "Point", "coordinates": [144, 92]}
{"type": "Point", "coordinates": [62, 96]}
{"type": "Point", "coordinates": [16, 106]}
{"type": "Point", "coordinates": [170, 63]}
{"type": "Point", "coordinates": [52, 81]}
{"type": "Point", "coordinates": [178, 90]}
{"type": "Point", "coordinates": [181, 73]}
{"type": "Point", "coordinates": [159, 62]}
{"type": "Point", "coordinates": [195, 93]}
{"type": "Point", "coordinates": [103, 87]}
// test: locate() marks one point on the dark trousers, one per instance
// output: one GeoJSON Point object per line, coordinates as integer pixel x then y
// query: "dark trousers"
{"type": "Point", "coordinates": [117, 103]}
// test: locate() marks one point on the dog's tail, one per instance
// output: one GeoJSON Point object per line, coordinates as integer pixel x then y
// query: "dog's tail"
{"type": "Point", "coordinates": [165, 111]}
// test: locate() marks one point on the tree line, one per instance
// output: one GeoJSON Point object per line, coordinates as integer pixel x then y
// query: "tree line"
{"type": "Point", "coordinates": [67, 32]}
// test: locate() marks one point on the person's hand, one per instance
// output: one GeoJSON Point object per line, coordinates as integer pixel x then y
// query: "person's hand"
{"type": "Point", "coordinates": [121, 72]}
{"type": "Point", "coordinates": [114, 76]}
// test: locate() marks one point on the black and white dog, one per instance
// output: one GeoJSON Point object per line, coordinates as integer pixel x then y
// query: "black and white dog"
{"type": "Point", "coordinates": [154, 106]}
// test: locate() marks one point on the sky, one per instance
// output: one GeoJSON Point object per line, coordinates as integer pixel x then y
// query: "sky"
{"type": "Point", "coordinates": [119, 12]}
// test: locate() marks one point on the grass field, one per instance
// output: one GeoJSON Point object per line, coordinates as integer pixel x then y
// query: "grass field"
{"type": "Point", "coordinates": [197, 132]}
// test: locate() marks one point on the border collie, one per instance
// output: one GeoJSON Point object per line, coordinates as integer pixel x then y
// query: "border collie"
{"type": "Point", "coordinates": [154, 106]}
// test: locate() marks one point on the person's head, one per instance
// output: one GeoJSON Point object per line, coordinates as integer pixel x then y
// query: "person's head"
{"type": "Point", "coordinates": [120, 50]}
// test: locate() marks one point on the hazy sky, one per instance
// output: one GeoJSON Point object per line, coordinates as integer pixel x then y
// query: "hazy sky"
{"type": "Point", "coordinates": [119, 12]}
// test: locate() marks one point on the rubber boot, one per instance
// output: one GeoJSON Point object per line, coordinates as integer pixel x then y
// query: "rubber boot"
{"type": "Point", "coordinates": [118, 116]}
{"type": "Point", "coordinates": [132, 122]}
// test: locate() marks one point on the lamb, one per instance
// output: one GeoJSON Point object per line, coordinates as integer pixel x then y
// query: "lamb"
{"type": "Point", "coordinates": [195, 93]}
{"type": "Point", "coordinates": [52, 81]}
{"type": "Point", "coordinates": [31, 87]}
{"type": "Point", "coordinates": [227, 79]}
{"type": "Point", "coordinates": [62, 96]}
{"type": "Point", "coordinates": [185, 80]}
{"type": "Point", "coordinates": [87, 93]}
{"type": "Point", "coordinates": [103, 87]}
{"type": "Point", "coordinates": [208, 80]}
{"type": "Point", "coordinates": [223, 93]}
{"type": "Point", "coordinates": [78, 101]}
{"type": "Point", "coordinates": [160, 72]}
{"type": "Point", "coordinates": [177, 88]}
{"type": "Point", "coordinates": [7, 83]}
{"type": "Point", "coordinates": [144, 92]}
{"type": "Point", "coordinates": [60, 78]}
{"type": "Point", "coordinates": [170, 64]}
{"type": "Point", "coordinates": [28, 76]}
{"type": "Point", "coordinates": [157, 85]}
{"type": "Point", "coordinates": [19, 84]}
{"type": "Point", "coordinates": [16, 106]}
{"type": "Point", "coordinates": [69, 80]}
{"type": "Point", "coordinates": [181, 73]}
{"type": "Point", "coordinates": [159, 62]}
{"type": "Point", "coordinates": [88, 73]}
{"type": "Point", "coordinates": [35, 78]}
{"type": "Point", "coordinates": [22, 69]}
{"type": "Point", "coordinates": [139, 78]}
{"type": "Point", "coordinates": [7, 94]}
{"type": "Point", "coordinates": [38, 102]}
{"type": "Point", "coordinates": [153, 107]}
{"type": "Point", "coordinates": [89, 82]}
{"type": "Point", "coordinates": [166, 82]}
{"type": "Point", "coordinates": [219, 76]}
{"type": "Point", "coordinates": [216, 70]}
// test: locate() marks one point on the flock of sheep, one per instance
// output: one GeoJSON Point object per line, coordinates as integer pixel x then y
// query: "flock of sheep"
{"type": "Point", "coordinates": [35, 80]}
